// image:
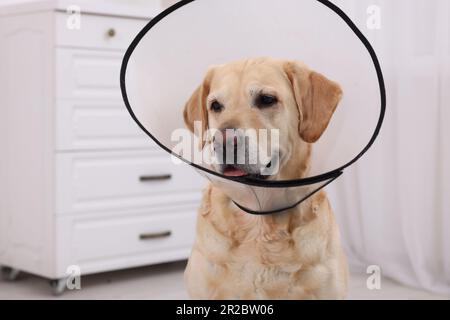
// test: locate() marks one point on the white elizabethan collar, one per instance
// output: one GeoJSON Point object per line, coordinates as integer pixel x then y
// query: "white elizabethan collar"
{"type": "Point", "coordinates": [169, 58]}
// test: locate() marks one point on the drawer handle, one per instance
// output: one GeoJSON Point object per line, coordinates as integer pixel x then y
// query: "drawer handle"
{"type": "Point", "coordinates": [155, 177]}
{"type": "Point", "coordinates": [111, 32]}
{"type": "Point", "coordinates": [156, 235]}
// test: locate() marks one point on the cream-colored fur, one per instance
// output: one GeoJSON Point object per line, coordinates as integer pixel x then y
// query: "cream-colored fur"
{"type": "Point", "coordinates": [295, 254]}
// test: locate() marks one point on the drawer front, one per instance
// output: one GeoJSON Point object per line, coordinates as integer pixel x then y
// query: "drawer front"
{"type": "Point", "coordinates": [116, 180]}
{"type": "Point", "coordinates": [88, 74]}
{"type": "Point", "coordinates": [97, 31]}
{"type": "Point", "coordinates": [84, 125]}
{"type": "Point", "coordinates": [100, 242]}
{"type": "Point", "coordinates": [94, 239]}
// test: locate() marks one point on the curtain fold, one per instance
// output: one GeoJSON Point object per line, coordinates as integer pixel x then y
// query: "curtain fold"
{"type": "Point", "coordinates": [393, 206]}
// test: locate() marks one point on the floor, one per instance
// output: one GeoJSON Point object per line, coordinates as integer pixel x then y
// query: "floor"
{"type": "Point", "coordinates": [165, 281]}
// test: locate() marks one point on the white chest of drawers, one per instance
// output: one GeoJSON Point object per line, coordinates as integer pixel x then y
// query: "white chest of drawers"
{"type": "Point", "coordinates": [79, 183]}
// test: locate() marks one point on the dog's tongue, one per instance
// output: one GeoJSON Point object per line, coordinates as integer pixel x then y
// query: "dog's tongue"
{"type": "Point", "coordinates": [234, 172]}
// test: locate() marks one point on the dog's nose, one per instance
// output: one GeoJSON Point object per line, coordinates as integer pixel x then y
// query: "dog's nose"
{"type": "Point", "coordinates": [229, 136]}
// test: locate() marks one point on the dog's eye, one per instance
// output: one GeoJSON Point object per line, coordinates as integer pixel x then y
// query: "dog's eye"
{"type": "Point", "coordinates": [265, 100]}
{"type": "Point", "coordinates": [216, 106]}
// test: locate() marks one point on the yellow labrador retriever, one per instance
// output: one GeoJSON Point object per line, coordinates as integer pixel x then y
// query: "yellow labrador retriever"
{"type": "Point", "coordinates": [294, 254]}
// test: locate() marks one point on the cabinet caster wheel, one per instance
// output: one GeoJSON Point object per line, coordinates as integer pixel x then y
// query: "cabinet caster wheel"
{"type": "Point", "coordinates": [10, 274]}
{"type": "Point", "coordinates": [58, 286]}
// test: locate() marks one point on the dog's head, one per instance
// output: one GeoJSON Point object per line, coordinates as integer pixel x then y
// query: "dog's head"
{"type": "Point", "coordinates": [263, 93]}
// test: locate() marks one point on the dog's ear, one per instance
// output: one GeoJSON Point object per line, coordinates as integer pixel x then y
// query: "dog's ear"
{"type": "Point", "coordinates": [196, 108]}
{"type": "Point", "coordinates": [317, 97]}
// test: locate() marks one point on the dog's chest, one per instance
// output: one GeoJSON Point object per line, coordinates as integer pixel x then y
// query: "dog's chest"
{"type": "Point", "coordinates": [251, 257]}
{"type": "Point", "coordinates": [270, 250]}
{"type": "Point", "coordinates": [253, 278]}
{"type": "Point", "coordinates": [259, 265]}
{"type": "Point", "coordinates": [248, 257]}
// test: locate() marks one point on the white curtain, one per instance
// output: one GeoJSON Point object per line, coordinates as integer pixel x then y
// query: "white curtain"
{"type": "Point", "coordinates": [393, 206]}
